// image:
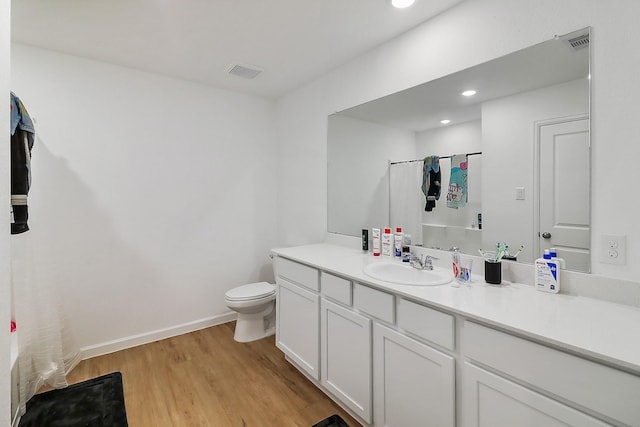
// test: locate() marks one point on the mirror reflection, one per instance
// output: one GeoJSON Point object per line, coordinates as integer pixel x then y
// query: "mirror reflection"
{"type": "Point", "coordinates": [518, 148]}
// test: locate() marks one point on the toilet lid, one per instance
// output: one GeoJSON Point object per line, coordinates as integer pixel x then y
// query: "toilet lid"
{"type": "Point", "coordinates": [250, 291]}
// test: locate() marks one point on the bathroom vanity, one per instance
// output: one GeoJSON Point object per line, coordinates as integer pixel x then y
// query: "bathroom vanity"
{"type": "Point", "coordinates": [402, 356]}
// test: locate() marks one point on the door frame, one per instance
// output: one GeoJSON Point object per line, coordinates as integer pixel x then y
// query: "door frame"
{"type": "Point", "coordinates": [538, 124]}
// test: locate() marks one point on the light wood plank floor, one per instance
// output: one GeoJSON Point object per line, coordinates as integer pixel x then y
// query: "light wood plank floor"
{"type": "Point", "coordinates": [205, 378]}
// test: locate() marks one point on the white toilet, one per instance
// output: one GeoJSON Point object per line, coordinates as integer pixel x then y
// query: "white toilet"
{"type": "Point", "coordinates": [255, 305]}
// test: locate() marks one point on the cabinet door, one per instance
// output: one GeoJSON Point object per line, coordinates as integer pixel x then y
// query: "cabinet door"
{"type": "Point", "coordinates": [297, 325]}
{"type": "Point", "coordinates": [346, 357]}
{"type": "Point", "coordinates": [492, 401]}
{"type": "Point", "coordinates": [414, 385]}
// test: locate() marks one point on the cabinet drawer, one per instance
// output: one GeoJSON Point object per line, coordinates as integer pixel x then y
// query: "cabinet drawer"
{"type": "Point", "coordinates": [605, 390]}
{"type": "Point", "coordinates": [374, 302]}
{"type": "Point", "coordinates": [424, 322]}
{"type": "Point", "coordinates": [335, 288]}
{"type": "Point", "coordinates": [493, 401]}
{"type": "Point", "coordinates": [297, 273]}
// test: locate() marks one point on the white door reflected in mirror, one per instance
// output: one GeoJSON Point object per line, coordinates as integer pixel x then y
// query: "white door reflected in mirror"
{"type": "Point", "coordinates": [564, 190]}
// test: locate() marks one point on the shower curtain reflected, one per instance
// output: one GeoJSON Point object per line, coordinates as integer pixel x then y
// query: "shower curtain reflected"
{"type": "Point", "coordinates": [406, 198]}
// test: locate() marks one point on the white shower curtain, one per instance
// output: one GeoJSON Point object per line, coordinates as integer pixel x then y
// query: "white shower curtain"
{"type": "Point", "coordinates": [406, 198]}
{"type": "Point", "coordinates": [46, 350]}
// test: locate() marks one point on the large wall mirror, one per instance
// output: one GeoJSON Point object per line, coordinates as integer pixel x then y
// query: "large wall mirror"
{"type": "Point", "coordinates": [524, 137]}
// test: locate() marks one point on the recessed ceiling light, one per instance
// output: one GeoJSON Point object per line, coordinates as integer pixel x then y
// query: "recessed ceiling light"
{"type": "Point", "coordinates": [470, 92]}
{"type": "Point", "coordinates": [401, 4]}
{"type": "Point", "coordinates": [445, 121]}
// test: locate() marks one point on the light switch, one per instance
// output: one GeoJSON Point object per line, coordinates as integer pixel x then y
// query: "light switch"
{"type": "Point", "coordinates": [519, 193]}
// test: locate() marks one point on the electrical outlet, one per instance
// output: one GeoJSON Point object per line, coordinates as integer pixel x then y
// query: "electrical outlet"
{"type": "Point", "coordinates": [613, 249]}
{"type": "Point", "coordinates": [519, 193]}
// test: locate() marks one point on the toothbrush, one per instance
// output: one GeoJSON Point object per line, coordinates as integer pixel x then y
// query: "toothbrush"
{"type": "Point", "coordinates": [519, 250]}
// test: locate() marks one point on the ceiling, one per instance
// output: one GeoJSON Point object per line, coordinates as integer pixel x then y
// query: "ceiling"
{"type": "Point", "coordinates": [293, 41]}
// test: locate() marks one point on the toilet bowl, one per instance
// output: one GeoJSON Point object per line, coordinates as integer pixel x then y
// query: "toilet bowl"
{"type": "Point", "coordinates": [255, 305]}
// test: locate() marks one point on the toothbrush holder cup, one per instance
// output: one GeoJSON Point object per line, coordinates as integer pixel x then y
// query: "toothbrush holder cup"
{"type": "Point", "coordinates": [493, 272]}
{"type": "Point", "coordinates": [464, 270]}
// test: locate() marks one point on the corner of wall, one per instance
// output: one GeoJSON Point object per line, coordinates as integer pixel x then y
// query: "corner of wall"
{"type": "Point", "coordinates": [5, 279]}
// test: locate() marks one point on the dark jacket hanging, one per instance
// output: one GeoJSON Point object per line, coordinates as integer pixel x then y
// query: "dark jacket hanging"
{"type": "Point", "coordinates": [22, 137]}
{"type": "Point", "coordinates": [431, 178]}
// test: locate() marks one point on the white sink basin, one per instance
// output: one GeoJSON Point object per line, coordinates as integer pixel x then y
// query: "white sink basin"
{"type": "Point", "coordinates": [404, 274]}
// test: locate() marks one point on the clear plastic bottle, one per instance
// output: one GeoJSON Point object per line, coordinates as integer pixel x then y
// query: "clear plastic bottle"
{"type": "Point", "coordinates": [455, 263]}
{"type": "Point", "coordinates": [554, 257]}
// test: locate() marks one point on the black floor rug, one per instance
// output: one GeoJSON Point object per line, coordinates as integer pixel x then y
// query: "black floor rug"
{"type": "Point", "coordinates": [98, 402]}
{"type": "Point", "coordinates": [332, 421]}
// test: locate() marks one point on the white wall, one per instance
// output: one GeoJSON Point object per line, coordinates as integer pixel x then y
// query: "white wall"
{"type": "Point", "coordinates": [5, 282]}
{"type": "Point", "coordinates": [151, 196]}
{"type": "Point", "coordinates": [359, 153]}
{"type": "Point", "coordinates": [441, 46]}
{"type": "Point", "coordinates": [508, 134]}
{"type": "Point", "coordinates": [455, 139]}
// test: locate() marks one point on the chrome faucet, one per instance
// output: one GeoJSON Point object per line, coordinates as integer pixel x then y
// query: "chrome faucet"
{"type": "Point", "coordinates": [422, 263]}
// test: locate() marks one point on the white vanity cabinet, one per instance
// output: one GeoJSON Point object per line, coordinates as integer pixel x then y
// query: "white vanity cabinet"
{"type": "Point", "coordinates": [346, 357]}
{"type": "Point", "coordinates": [507, 378]}
{"type": "Point", "coordinates": [297, 314]}
{"type": "Point", "coordinates": [354, 330]}
{"type": "Point", "coordinates": [414, 384]}
{"type": "Point", "coordinates": [447, 357]}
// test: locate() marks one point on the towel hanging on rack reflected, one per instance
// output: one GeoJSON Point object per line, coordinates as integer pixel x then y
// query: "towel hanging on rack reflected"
{"type": "Point", "coordinates": [457, 194]}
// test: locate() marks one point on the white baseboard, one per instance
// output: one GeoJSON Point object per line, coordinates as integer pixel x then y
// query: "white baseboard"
{"type": "Point", "coordinates": [160, 334]}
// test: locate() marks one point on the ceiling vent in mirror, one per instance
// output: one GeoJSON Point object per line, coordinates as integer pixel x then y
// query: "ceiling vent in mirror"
{"type": "Point", "coordinates": [245, 71]}
{"type": "Point", "coordinates": [579, 42]}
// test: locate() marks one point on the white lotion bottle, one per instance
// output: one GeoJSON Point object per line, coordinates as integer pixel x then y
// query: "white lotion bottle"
{"type": "Point", "coordinates": [547, 274]}
{"type": "Point", "coordinates": [375, 233]}
{"type": "Point", "coordinates": [387, 243]}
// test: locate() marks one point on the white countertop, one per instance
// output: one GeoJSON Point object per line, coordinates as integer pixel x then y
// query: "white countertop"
{"type": "Point", "coordinates": [598, 329]}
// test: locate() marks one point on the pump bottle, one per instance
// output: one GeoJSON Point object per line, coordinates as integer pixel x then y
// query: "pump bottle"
{"type": "Point", "coordinates": [547, 274]}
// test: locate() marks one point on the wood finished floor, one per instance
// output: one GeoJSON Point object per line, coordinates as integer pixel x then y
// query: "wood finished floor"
{"type": "Point", "coordinates": [205, 378]}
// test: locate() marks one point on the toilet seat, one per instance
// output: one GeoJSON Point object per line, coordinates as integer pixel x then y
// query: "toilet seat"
{"type": "Point", "coordinates": [252, 291]}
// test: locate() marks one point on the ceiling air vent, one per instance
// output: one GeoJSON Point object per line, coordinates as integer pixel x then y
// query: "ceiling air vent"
{"type": "Point", "coordinates": [579, 42]}
{"type": "Point", "coordinates": [244, 71]}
